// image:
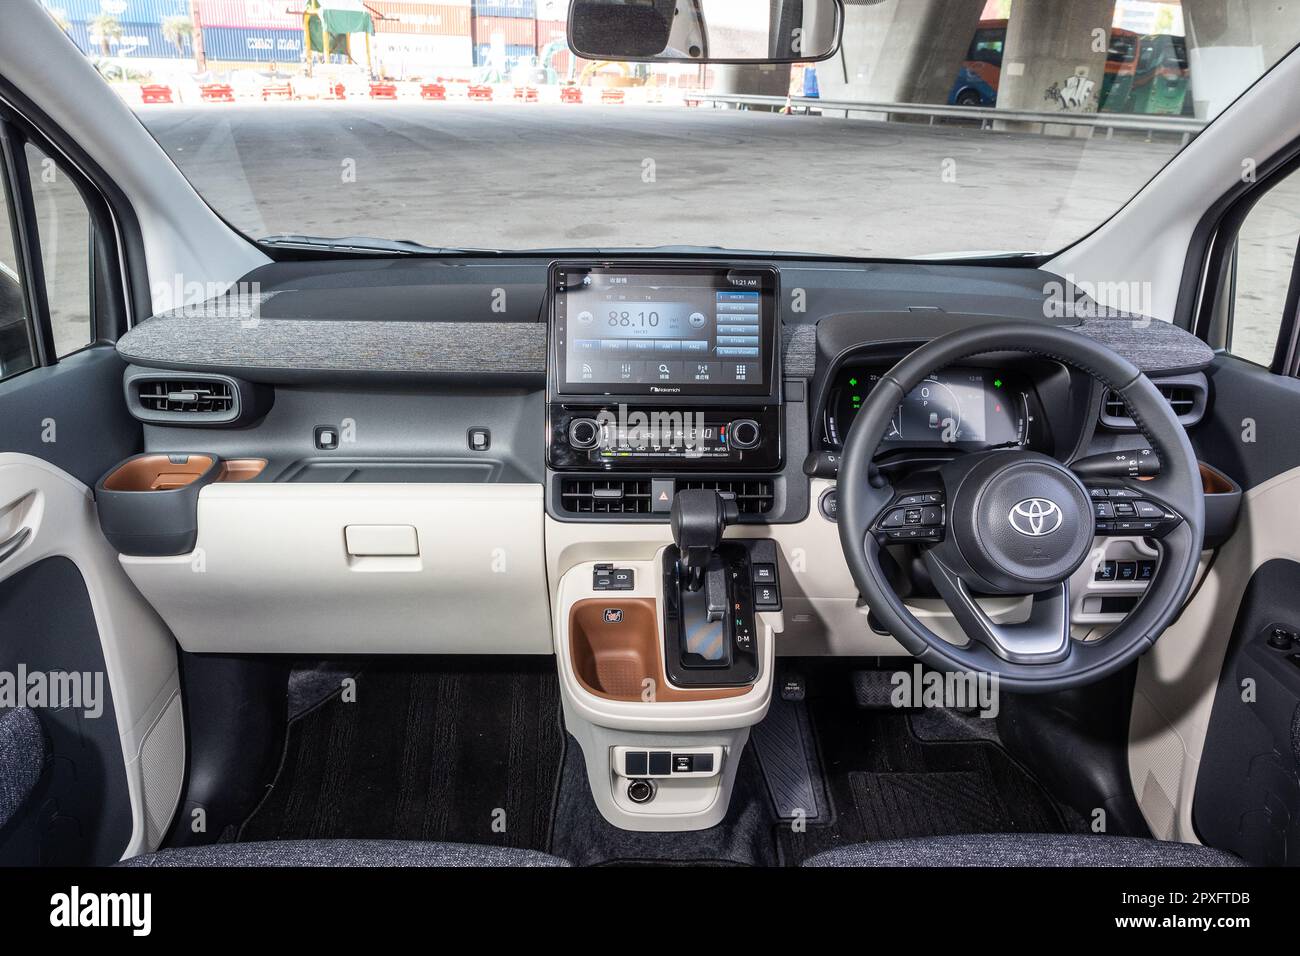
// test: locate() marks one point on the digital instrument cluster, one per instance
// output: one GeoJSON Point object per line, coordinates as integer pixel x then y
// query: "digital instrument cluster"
{"type": "Point", "coordinates": [967, 408]}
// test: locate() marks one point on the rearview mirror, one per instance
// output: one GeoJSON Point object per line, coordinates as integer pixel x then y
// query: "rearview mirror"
{"type": "Point", "coordinates": [706, 31]}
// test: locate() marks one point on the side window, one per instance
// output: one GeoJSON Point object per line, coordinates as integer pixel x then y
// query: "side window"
{"type": "Point", "coordinates": [1266, 256]}
{"type": "Point", "coordinates": [17, 351]}
{"type": "Point", "coordinates": [63, 224]}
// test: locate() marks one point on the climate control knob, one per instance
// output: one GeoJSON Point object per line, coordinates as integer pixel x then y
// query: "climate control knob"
{"type": "Point", "coordinates": [584, 433]}
{"type": "Point", "coordinates": [744, 433]}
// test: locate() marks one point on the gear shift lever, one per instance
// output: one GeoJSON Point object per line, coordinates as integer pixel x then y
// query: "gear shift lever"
{"type": "Point", "coordinates": [698, 518]}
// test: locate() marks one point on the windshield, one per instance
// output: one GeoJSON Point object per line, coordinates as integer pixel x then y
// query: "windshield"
{"type": "Point", "coordinates": [949, 129]}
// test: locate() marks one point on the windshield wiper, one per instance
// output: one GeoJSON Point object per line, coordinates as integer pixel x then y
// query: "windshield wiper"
{"type": "Point", "coordinates": [369, 245]}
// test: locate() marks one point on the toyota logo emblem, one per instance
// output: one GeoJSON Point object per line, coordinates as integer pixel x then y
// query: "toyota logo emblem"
{"type": "Point", "coordinates": [1036, 517]}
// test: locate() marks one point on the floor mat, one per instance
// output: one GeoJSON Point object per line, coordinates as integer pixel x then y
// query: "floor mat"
{"type": "Point", "coordinates": [893, 806]}
{"type": "Point", "coordinates": [431, 749]}
{"type": "Point", "coordinates": [888, 782]}
{"type": "Point", "coordinates": [744, 837]}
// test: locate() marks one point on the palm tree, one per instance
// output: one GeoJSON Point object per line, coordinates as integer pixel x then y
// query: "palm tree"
{"type": "Point", "coordinates": [178, 31]}
{"type": "Point", "coordinates": [106, 27]}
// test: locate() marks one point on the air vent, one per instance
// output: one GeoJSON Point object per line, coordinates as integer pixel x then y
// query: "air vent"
{"type": "Point", "coordinates": [1186, 395]}
{"type": "Point", "coordinates": [1181, 398]}
{"type": "Point", "coordinates": [753, 496]}
{"type": "Point", "coordinates": [605, 496]}
{"type": "Point", "coordinates": [196, 396]}
{"type": "Point", "coordinates": [190, 399]}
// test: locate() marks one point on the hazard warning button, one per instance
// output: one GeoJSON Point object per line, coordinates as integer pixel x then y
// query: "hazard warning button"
{"type": "Point", "coordinates": [661, 495]}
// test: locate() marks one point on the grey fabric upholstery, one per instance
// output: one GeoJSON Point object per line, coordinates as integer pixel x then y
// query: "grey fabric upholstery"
{"type": "Point", "coordinates": [22, 757]}
{"type": "Point", "coordinates": [345, 853]}
{"type": "Point", "coordinates": [1024, 849]}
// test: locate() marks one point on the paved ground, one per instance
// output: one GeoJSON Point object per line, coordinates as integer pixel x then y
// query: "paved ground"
{"type": "Point", "coordinates": [527, 176]}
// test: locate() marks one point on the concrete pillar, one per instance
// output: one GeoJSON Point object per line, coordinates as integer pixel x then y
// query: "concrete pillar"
{"type": "Point", "coordinates": [1055, 55]}
{"type": "Point", "coordinates": [900, 51]}
{"type": "Point", "coordinates": [1230, 43]}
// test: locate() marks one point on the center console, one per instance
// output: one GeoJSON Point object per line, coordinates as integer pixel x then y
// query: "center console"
{"type": "Point", "coordinates": [664, 404]}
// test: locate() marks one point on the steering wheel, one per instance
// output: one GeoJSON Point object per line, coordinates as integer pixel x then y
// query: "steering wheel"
{"type": "Point", "coordinates": [1017, 522]}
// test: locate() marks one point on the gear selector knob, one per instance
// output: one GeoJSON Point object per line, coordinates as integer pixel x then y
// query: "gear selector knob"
{"type": "Point", "coordinates": [698, 518]}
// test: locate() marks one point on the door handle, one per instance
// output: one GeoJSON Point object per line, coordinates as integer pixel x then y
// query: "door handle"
{"type": "Point", "coordinates": [14, 543]}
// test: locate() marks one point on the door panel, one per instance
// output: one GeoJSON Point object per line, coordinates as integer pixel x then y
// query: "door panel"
{"type": "Point", "coordinates": [79, 646]}
{"type": "Point", "coordinates": [62, 592]}
{"type": "Point", "coordinates": [1248, 791]}
{"type": "Point", "coordinates": [79, 812]}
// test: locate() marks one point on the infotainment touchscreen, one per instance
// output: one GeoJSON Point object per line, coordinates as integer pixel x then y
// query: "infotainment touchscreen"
{"type": "Point", "coordinates": [663, 330]}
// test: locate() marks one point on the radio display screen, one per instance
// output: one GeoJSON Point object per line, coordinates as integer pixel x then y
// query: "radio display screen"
{"type": "Point", "coordinates": [663, 330]}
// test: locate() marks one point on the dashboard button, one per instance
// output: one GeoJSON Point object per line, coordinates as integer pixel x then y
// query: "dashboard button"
{"type": "Point", "coordinates": [661, 763]}
{"type": "Point", "coordinates": [1106, 571]}
{"type": "Point", "coordinates": [829, 504]}
{"type": "Point", "coordinates": [635, 763]}
{"type": "Point", "coordinates": [1127, 571]}
{"type": "Point", "coordinates": [765, 574]}
{"type": "Point", "coordinates": [583, 433]}
{"type": "Point", "coordinates": [744, 433]}
{"type": "Point", "coordinates": [1146, 570]}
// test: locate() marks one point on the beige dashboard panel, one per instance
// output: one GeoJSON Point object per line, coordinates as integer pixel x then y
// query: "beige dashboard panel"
{"type": "Point", "coordinates": [433, 569]}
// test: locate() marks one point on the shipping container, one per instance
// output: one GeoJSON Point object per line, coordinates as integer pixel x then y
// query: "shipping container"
{"type": "Point", "coordinates": [515, 9]}
{"type": "Point", "coordinates": [551, 31]}
{"type": "Point", "coordinates": [504, 57]}
{"type": "Point", "coordinates": [510, 30]}
{"type": "Point", "coordinates": [551, 11]}
{"type": "Point", "coordinates": [123, 11]}
{"type": "Point", "coordinates": [136, 40]}
{"type": "Point", "coordinates": [434, 19]}
{"type": "Point", "coordinates": [256, 45]}
{"type": "Point", "coordinates": [251, 14]}
{"type": "Point", "coordinates": [404, 56]}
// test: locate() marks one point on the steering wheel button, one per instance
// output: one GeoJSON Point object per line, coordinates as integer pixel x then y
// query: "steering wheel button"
{"type": "Point", "coordinates": [931, 516]}
{"type": "Point", "coordinates": [1146, 509]}
{"type": "Point", "coordinates": [894, 519]}
{"type": "Point", "coordinates": [1103, 509]}
{"type": "Point", "coordinates": [914, 516]}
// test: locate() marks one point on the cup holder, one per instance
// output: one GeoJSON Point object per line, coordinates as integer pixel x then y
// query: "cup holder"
{"type": "Point", "coordinates": [617, 653]}
{"type": "Point", "coordinates": [149, 504]}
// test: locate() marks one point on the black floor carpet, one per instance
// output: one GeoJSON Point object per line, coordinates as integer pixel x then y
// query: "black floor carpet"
{"type": "Point", "coordinates": [431, 749]}
{"type": "Point", "coordinates": [452, 750]}
{"type": "Point", "coordinates": [744, 837]}
{"type": "Point", "coordinates": [886, 782]}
